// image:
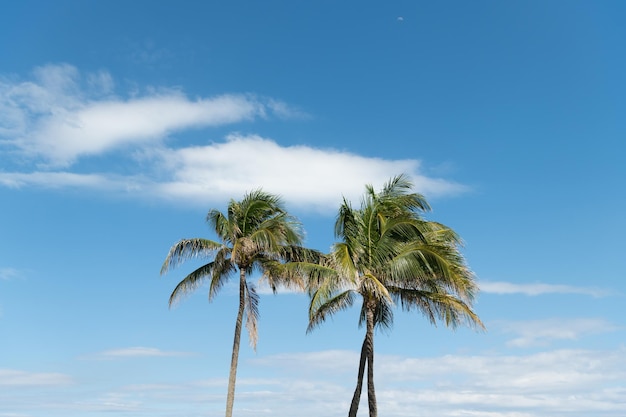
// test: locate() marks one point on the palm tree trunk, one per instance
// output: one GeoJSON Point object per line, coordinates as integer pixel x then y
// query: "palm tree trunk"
{"type": "Point", "coordinates": [356, 398]}
{"type": "Point", "coordinates": [230, 398]}
{"type": "Point", "coordinates": [369, 341]}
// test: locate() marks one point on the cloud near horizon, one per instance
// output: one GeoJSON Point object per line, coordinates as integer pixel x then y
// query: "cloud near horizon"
{"type": "Point", "coordinates": [535, 289]}
{"type": "Point", "coordinates": [23, 379]}
{"type": "Point", "coordinates": [542, 383]}
{"type": "Point", "coordinates": [56, 125]}
{"type": "Point", "coordinates": [566, 381]}
{"type": "Point", "coordinates": [543, 332]}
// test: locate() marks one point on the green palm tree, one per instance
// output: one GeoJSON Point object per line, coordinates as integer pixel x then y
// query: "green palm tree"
{"type": "Point", "coordinates": [389, 254]}
{"type": "Point", "coordinates": [256, 233]}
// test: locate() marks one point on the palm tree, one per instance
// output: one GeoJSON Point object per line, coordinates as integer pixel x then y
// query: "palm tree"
{"type": "Point", "coordinates": [389, 254]}
{"type": "Point", "coordinates": [256, 233]}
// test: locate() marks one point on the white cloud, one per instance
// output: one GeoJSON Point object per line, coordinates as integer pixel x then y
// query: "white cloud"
{"type": "Point", "coordinates": [572, 383]}
{"type": "Point", "coordinates": [335, 361]}
{"type": "Point", "coordinates": [575, 383]}
{"type": "Point", "coordinates": [61, 180]}
{"type": "Point", "coordinates": [542, 332]}
{"type": "Point", "coordinates": [136, 352]}
{"type": "Point", "coordinates": [98, 127]}
{"type": "Point", "coordinates": [61, 116]}
{"type": "Point", "coordinates": [498, 287]}
{"type": "Point", "coordinates": [23, 379]}
{"type": "Point", "coordinates": [307, 177]}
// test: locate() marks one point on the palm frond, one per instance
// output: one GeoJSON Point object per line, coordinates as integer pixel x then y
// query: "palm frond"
{"type": "Point", "coordinates": [252, 313]}
{"type": "Point", "coordinates": [220, 225]}
{"type": "Point", "coordinates": [223, 269]}
{"type": "Point", "coordinates": [343, 257]}
{"type": "Point", "coordinates": [324, 305]}
{"type": "Point", "coordinates": [438, 306]}
{"type": "Point", "coordinates": [187, 249]}
{"type": "Point", "coordinates": [276, 274]}
{"type": "Point", "coordinates": [191, 282]}
{"type": "Point", "coordinates": [390, 253]}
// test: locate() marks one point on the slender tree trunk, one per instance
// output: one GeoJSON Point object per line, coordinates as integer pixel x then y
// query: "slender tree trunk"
{"type": "Point", "coordinates": [230, 398]}
{"type": "Point", "coordinates": [356, 398]}
{"type": "Point", "coordinates": [369, 339]}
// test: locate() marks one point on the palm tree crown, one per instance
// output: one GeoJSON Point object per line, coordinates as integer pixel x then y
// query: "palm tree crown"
{"type": "Point", "coordinates": [256, 233]}
{"type": "Point", "coordinates": [387, 254]}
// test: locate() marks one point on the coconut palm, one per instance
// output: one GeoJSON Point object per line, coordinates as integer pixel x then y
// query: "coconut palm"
{"type": "Point", "coordinates": [256, 233]}
{"type": "Point", "coordinates": [389, 254]}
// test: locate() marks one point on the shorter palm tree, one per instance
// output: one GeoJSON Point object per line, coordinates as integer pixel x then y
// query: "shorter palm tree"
{"type": "Point", "coordinates": [256, 233]}
{"type": "Point", "coordinates": [389, 254]}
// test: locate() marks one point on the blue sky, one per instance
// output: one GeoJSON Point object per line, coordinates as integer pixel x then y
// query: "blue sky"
{"type": "Point", "coordinates": [123, 123]}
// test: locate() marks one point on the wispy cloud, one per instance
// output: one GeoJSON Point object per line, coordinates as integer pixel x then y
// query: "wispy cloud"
{"type": "Point", "coordinates": [64, 179]}
{"type": "Point", "coordinates": [572, 382]}
{"type": "Point", "coordinates": [499, 287]}
{"type": "Point", "coordinates": [543, 332]}
{"type": "Point", "coordinates": [8, 273]}
{"type": "Point", "coordinates": [546, 383]}
{"type": "Point", "coordinates": [60, 117]}
{"type": "Point", "coordinates": [18, 378]}
{"type": "Point", "coordinates": [135, 352]}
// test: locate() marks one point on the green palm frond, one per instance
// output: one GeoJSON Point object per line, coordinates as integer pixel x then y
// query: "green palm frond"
{"type": "Point", "coordinates": [386, 244]}
{"type": "Point", "coordinates": [255, 208]}
{"type": "Point", "coordinates": [294, 253]}
{"type": "Point", "coordinates": [252, 313]}
{"type": "Point", "coordinates": [223, 270]}
{"type": "Point", "coordinates": [220, 225]}
{"type": "Point", "coordinates": [256, 233]}
{"type": "Point", "coordinates": [322, 274]}
{"type": "Point", "coordinates": [344, 258]}
{"type": "Point", "coordinates": [324, 305]}
{"type": "Point", "coordinates": [276, 274]}
{"type": "Point", "coordinates": [441, 262]}
{"type": "Point", "coordinates": [346, 222]}
{"type": "Point", "coordinates": [187, 249]}
{"type": "Point", "coordinates": [438, 306]}
{"type": "Point", "coordinates": [190, 283]}
{"type": "Point", "coordinates": [266, 240]}
{"type": "Point", "coordinates": [290, 268]}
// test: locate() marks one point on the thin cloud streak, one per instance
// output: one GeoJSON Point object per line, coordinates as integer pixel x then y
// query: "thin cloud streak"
{"type": "Point", "coordinates": [59, 180]}
{"type": "Point", "coordinates": [23, 379]}
{"type": "Point", "coordinates": [500, 287]}
{"type": "Point", "coordinates": [136, 352]}
{"type": "Point", "coordinates": [8, 273]}
{"type": "Point", "coordinates": [543, 332]}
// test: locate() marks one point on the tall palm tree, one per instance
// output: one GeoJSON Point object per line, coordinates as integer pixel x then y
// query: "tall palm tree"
{"type": "Point", "coordinates": [256, 233]}
{"type": "Point", "coordinates": [389, 254]}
